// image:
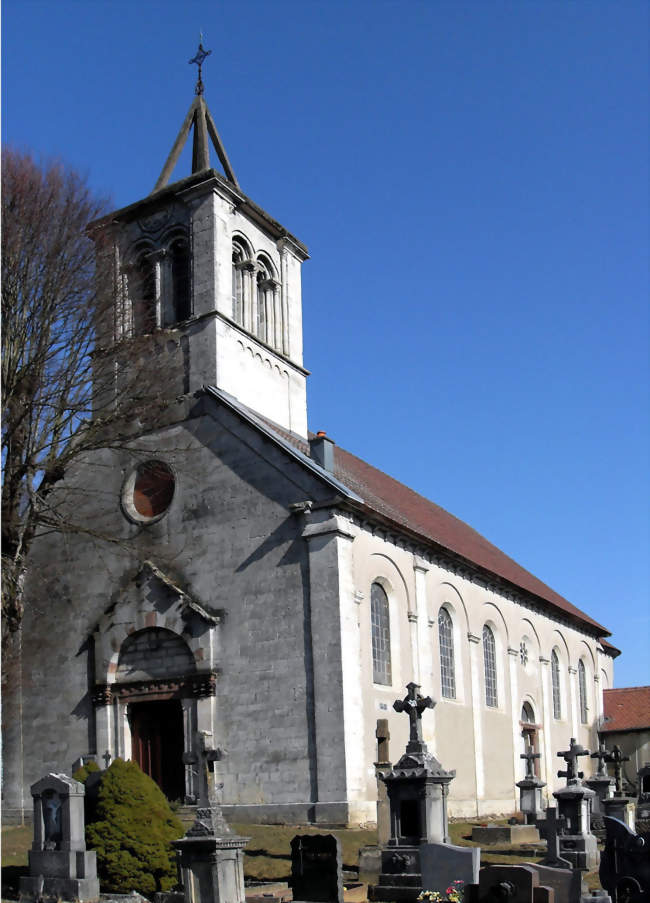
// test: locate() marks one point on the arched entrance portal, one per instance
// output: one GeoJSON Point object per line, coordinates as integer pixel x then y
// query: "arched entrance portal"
{"type": "Point", "coordinates": [153, 666]}
{"type": "Point", "coordinates": [157, 743]}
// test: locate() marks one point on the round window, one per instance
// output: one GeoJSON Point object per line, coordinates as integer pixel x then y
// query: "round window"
{"type": "Point", "coordinates": [148, 491]}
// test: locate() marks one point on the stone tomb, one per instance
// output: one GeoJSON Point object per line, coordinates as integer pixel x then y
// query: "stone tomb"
{"type": "Point", "coordinates": [417, 787]}
{"type": "Point", "coordinates": [577, 844]}
{"type": "Point", "coordinates": [316, 868]}
{"type": "Point", "coordinates": [600, 782]}
{"type": "Point", "coordinates": [60, 867]}
{"type": "Point", "coordinates": [514, 884]}
{"type": "Point", "coordinates": [619, 805]}
{"type": "Point", "coordinates": [210, 856]}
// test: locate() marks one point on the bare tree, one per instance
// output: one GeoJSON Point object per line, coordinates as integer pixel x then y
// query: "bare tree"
{"type": "Point", "coordinates": [67, 386]}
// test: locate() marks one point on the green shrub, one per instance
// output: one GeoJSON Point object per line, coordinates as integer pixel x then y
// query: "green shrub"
{"type": "Point", "coordinates": [132, 832]}
{"type": "Point", "coordinates": [82, 774]}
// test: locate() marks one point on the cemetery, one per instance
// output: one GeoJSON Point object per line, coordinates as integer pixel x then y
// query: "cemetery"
{"type": "Point", "coordinates": [111, 835]}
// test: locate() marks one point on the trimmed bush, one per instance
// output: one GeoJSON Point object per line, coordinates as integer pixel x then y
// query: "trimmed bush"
{"type": "Point", "coordinates": [132, 831]}
{"type": "Point", "coordinates": [82, 774]}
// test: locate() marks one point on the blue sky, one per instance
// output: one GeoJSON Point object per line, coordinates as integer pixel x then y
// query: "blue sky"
{"type": "Point", "coordinates": [471, 179]}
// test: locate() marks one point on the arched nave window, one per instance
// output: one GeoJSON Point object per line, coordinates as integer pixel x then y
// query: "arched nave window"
{"type": "Point", "coordinates": [446, 638]}
{"type": "Point", "coordinates": [264, 304]}
{"type": "Point", "coordinates": [555, 680]}
{"type": "Point", "coordinates": [582, 689]}
{"type": "Point", "coordinates": [490, 666]}
{"type": "Point", "coordinates": [380, 627]}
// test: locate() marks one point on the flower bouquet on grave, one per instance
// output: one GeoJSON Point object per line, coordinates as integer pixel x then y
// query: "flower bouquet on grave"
{"type": "Point", "coordinates": [453, 894]}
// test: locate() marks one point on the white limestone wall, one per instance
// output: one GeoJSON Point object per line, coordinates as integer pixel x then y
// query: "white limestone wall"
{"type": "Point", "coordinates": [268, 379]}
{"type": "Point", "coordinates": [482, 743]}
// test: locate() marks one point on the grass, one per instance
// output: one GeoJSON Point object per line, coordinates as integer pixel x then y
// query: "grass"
{"type": "Point", "coordinates": [268, 855]}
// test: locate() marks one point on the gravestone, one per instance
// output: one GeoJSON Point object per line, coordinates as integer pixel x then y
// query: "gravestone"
{"type": "Point", "coordinates": [60, 867]}
{"type": "Point", "coordinates": [643, 791]}
{"type": "Point", "coordinates": [511, 884]}
{"type": "Point", "coordinates": [383, 766]}
{"type": "Point", "coordinates": [210, 855]}
{"type": "Point", "coordinates": [530, 789]}
{"type": "Point", "coordinates": [625, 864]}
{"type": "Point", "coordinates": [316, 868]}
{"type": "Point", "coordinates": [577, 843]}
{"type": "Point", "coordinates": [443, 863]}
{"type": "Point", "coordinates": [552, 827]}
{"type": "Point", "coordinates": [600, 782]}
{"type": "Point", "coordinates": [417, 787]}
{"type": "Point", "coordinates": [619, 805]}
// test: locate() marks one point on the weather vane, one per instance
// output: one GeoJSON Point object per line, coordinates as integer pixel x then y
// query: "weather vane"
{"type": "Point", "coordinates": [201, 55]}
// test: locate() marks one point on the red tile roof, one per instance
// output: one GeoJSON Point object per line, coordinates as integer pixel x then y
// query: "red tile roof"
{"type": "Point", "coordinates": [627, 709]}
{"type": "Point", "coordinates": [406, 508]}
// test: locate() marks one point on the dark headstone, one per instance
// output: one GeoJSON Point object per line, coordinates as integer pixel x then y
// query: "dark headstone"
{"type": "Point", "coordinates": [316, 868]}
{"type": "Point", "coordinates": [512, 884]}
{"type": "Point", "coordinates": [625, 864]}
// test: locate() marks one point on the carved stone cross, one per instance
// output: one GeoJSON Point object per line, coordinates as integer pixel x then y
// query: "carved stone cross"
{"type": "Point", "coordinates": [530, 757]}
{"type": "Point", "coordinates": [617, 758]}
{"type": "Point", "coordinates": [554, 826]}
{"type": "Point", "coordinates": [570, 756]}
{"type": "Point", "coordinates": [601, 754]}
{"type": "Point", "coordinates": [414, 704]}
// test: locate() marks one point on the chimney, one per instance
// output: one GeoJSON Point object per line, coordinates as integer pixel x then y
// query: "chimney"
{"type": "Point", "coordinates": [321, 449]}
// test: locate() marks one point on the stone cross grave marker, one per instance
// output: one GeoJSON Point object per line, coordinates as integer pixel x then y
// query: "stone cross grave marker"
{"type": "Point", "coordinates": [317, 868]}
{"type": "Point", "coordinates": [570, 756]}
{"type": "Point", "coordinates": [554, 825]}
{"type": "Point", "coordinates": [414, 704]}
{"type": "Point", "coordinates": [617, 758]}
{"type": "Point", "coordinates": [530, 757]}
{"type": "Point", "coordinates": [601, 754]}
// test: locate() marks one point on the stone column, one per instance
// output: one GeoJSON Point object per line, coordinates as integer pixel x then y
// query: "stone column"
{"type": "Point", "coordinates": [248, 285]}
{"type": "Point", "coordinates": [545, 739]}
{"type": "Point", "coordinates": [513, 657]}
{"type": "Point", "coordinates": [276, 340]}
{"type": "Point", "coordinates": [477, 709]}
{"type": "Point", "coordinates": [284, 303]}
{"type": "Point", "coordinates": [423, 646]}
{"type": "Point", "coordinates": [338, 705]}
{"type": "Point", "coordinates": [573, 696]}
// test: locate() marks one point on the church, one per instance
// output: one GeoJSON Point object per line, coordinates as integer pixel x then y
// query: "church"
{"type": "Point", "coordinates": [267, 595]}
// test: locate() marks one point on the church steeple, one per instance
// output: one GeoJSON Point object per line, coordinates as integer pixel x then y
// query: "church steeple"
{"type": "Point", "coordinates": [209, 275]}
{"type": "Point", "coordinates": [200, 119]}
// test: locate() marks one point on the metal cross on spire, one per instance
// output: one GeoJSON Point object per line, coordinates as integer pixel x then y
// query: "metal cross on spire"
{"type": "Point", "coordinates": [201, 55]}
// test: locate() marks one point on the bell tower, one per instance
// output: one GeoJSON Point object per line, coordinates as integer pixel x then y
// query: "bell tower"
{"type": "Point", "coordinates": [205, 272]}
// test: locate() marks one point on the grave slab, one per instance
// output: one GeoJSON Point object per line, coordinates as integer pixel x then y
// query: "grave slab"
{"type": "Point", "coordinates": [505, 834]}
{"type": "Point", "coordinates": [316, 868]}
{"type": "Point", "coordinates": [444, 863]}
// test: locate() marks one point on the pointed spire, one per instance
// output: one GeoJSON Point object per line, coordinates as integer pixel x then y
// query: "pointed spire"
{"type": "Point", "coordinates": [199, 117]}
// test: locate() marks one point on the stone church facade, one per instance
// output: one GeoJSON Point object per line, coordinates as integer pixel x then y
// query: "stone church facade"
{"type": "Point", "coordinates": [265, 593]}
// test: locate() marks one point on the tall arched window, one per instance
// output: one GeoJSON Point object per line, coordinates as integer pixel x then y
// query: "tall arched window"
{"type": "Point", "coordinates": [555, 680]}
{"type": "Point", "coordinates": [143, 294]}
{"type": "Point", "coordinates": [446, 638]}
{"type": "Point", "coordinates": [490, 666]}
{"type": "Point", "coordinates": [179, 254]}
{"type": "Point", "coordinates": [582, 689]}
{"type": "Point", "coordinates": [237, 284]}
{"type": "Point", "coordinates": [380, 627]}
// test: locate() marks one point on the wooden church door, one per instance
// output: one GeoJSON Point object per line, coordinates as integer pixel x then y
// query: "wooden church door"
{"type": "Point", "coordinates": [157, 744]}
